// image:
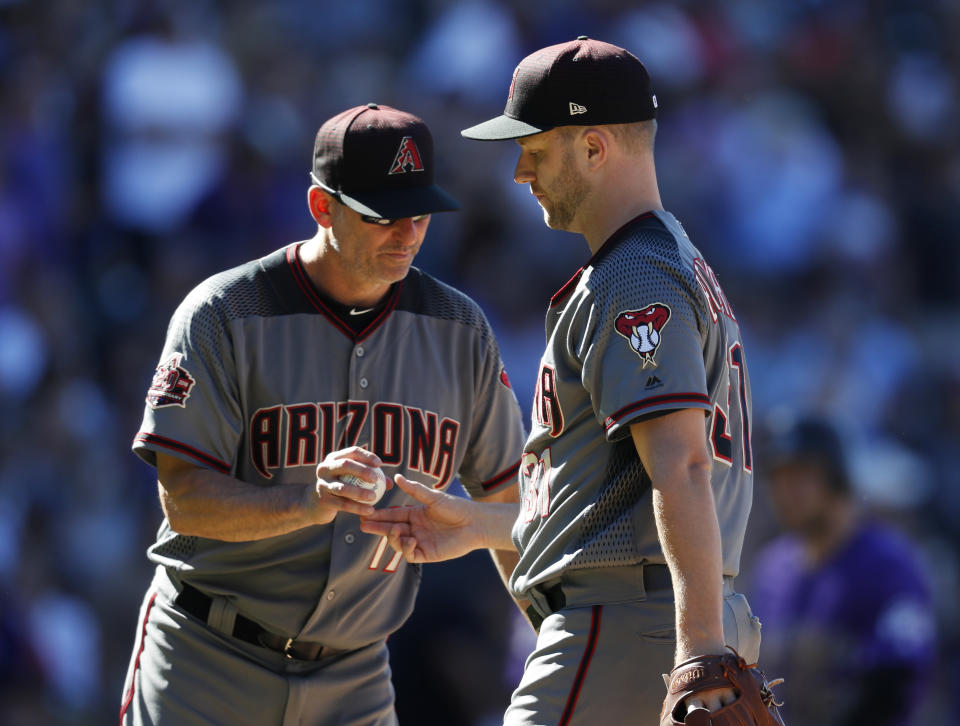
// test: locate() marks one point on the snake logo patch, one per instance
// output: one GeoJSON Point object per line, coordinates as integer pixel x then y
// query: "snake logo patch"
{"type": "Point", "coordinates": [171, 384]}
{"type": "Point", "coordinates": [407, 158]}
{"type": "Point", "coordinates": [642, 329]}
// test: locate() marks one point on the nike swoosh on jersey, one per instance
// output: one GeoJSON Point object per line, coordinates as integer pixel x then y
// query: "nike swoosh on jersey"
{"type": "Point", "coordinates": [354, 311]}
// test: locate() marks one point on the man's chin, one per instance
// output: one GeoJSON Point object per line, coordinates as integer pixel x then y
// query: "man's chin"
{"type": "Point", "coordinates": [395, 273]}
{"type": "Point", "coordinates": [554, 223]}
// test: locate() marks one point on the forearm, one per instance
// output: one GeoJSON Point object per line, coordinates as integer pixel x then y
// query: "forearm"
{"type": "Point", "coordinates": [506, 562]}
{"type": "Point", "coordinates": [690, 538]}
{"type": "Point", "coordinates": [494, 522]}
{"type": "Point", "coordinates": [673, 450]}
{"type": "Point", "coordinates": [500, 517]}
{"type": "Point", "coordinates": [206, 503]}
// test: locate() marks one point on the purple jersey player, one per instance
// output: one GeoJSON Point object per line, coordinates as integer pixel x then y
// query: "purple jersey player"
{"type": "Point", "coordinates": [847, 610]}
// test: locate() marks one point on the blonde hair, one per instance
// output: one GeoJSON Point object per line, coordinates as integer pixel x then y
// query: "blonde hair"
{"type": "Point", "coordinates": [635, 137]}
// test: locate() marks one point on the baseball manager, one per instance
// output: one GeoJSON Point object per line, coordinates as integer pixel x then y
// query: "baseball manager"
{"type": "Point", "coordinates": [326, 358]}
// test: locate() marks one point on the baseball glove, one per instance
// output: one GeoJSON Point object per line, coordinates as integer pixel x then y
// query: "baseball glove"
{"type": "Point", "coordinates": [755, 704]}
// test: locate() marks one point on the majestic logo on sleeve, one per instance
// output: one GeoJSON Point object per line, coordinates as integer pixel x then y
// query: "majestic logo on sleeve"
{"type": "Point", "coordinates": [171, 384]}
{"type": "Point", "coordinates": [642, 328]}
{"type": "Point", "coordinates": [407, 158]}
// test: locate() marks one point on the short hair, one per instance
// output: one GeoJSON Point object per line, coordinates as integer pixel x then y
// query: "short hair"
{"type": "Point", "coordinates": [635, 137]}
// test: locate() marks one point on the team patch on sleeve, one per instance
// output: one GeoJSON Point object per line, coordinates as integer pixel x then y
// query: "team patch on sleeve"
{"type": "Point", "coordinates": [642, 329]}
{"type": "Point", "coordinates": [171, 384]}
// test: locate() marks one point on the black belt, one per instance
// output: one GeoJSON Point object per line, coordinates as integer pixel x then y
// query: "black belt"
{"type": "Point", "coordinates": [655, 577]}
{"type": "Point", "coordinates": [192, 601]}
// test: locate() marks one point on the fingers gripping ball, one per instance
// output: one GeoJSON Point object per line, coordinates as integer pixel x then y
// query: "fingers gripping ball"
{"type": "Point", "coordinates": [379, 488]}
{"type": "Point", "coordinates": [755, 704]}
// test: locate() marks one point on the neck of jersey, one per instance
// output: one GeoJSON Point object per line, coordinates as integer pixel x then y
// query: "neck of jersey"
{"type": "Point", "coordinates": [355, 317]}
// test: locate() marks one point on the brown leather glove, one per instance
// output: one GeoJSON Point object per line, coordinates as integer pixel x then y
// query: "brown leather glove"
{"type": "Point", "coordinates": [754, 705]}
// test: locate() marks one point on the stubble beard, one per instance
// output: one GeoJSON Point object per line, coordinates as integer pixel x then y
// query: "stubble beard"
{"type": "Point", "coordinates": [571, 191]}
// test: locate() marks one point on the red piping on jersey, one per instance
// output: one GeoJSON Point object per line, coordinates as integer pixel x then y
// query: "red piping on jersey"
{"type": "Point", "coordinates": [503, 476]}
{"type": "Point", "coordinates": [306, 287]}
{"type": "Point", "coordinates": [605, 245]}
{"type": "Point", "coordinates": [656, 401]}
{"type": "Point", "coordinates": [568, 286]}
{"type": "Point", "coordinates": [205, 459]}
{"type": "Point", "coordinates": [128, 699]}
{"type": "Point", "coordinates": [584, 665]}
{"type": "Point", "coordinates": [387, 309]}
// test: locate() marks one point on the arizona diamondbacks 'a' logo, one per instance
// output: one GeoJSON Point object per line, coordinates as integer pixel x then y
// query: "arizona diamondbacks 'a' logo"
{"type": "Point", "coordinates": [407, 158]}
{"type": "Point", "coordinates": [171, 384]}
{"type": "Point", "coordinates": [642, 328]}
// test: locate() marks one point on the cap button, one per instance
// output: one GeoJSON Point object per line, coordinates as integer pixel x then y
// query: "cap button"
{"type": "Point", "coordinates": [372, 105]}
{"type": "Point", "coordinates": [583, 37]}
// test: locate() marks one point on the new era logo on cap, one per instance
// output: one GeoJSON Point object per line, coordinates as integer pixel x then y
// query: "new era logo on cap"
{"type": "Point", "coordinates": [576, 108]}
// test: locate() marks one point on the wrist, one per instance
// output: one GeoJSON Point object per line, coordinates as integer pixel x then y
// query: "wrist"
{"type": "Point", "coordinates": [312, 509]}
{"type": "Point", "coordinates": [497, 522]}
{"type": "Point", "coordinates": [694, 649]}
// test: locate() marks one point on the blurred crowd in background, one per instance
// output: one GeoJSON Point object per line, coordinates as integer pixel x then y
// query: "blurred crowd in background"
{"type": "Point", "coordinates": [811, 148]}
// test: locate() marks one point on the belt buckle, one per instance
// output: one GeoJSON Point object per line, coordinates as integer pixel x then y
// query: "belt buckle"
{"type": "Point", "coordinates": [300, 650]}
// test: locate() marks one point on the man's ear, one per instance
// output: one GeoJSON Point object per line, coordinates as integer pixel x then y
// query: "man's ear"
{"type": "Point", "coordinates": [595, 147]}
{"type": "Point", "coordinates": [319, 202]}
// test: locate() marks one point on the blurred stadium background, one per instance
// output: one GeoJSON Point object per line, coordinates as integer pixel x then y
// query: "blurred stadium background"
{"type": "Point", "coordinates": [811, 148]}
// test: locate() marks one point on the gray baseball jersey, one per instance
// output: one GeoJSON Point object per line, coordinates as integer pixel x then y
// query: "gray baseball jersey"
{"type": "Point", "coordinates": [643, 328]}
{"type": "Point", "coordinates": [259, 380]}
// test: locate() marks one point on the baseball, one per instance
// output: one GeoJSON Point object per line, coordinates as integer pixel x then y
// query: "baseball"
{"type": "Point", "coordinates": [379, 488]}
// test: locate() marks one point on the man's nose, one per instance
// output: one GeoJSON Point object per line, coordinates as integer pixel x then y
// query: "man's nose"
{"type": "Point", "coordinates": [405, 229]}
{"type": "Point", "coordinates": [523, 173]}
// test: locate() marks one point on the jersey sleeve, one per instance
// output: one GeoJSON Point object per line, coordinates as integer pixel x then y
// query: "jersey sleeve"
{"type": "Point", "coordinates": [192, 407]}
{"type": "Point", "coordinates": [641, 345]}
{"type": "Point", "coordinates": [492, 458]}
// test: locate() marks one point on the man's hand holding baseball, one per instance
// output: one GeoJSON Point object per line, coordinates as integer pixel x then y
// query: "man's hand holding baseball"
{"type": "Point", "coordinates": [330, 495]}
